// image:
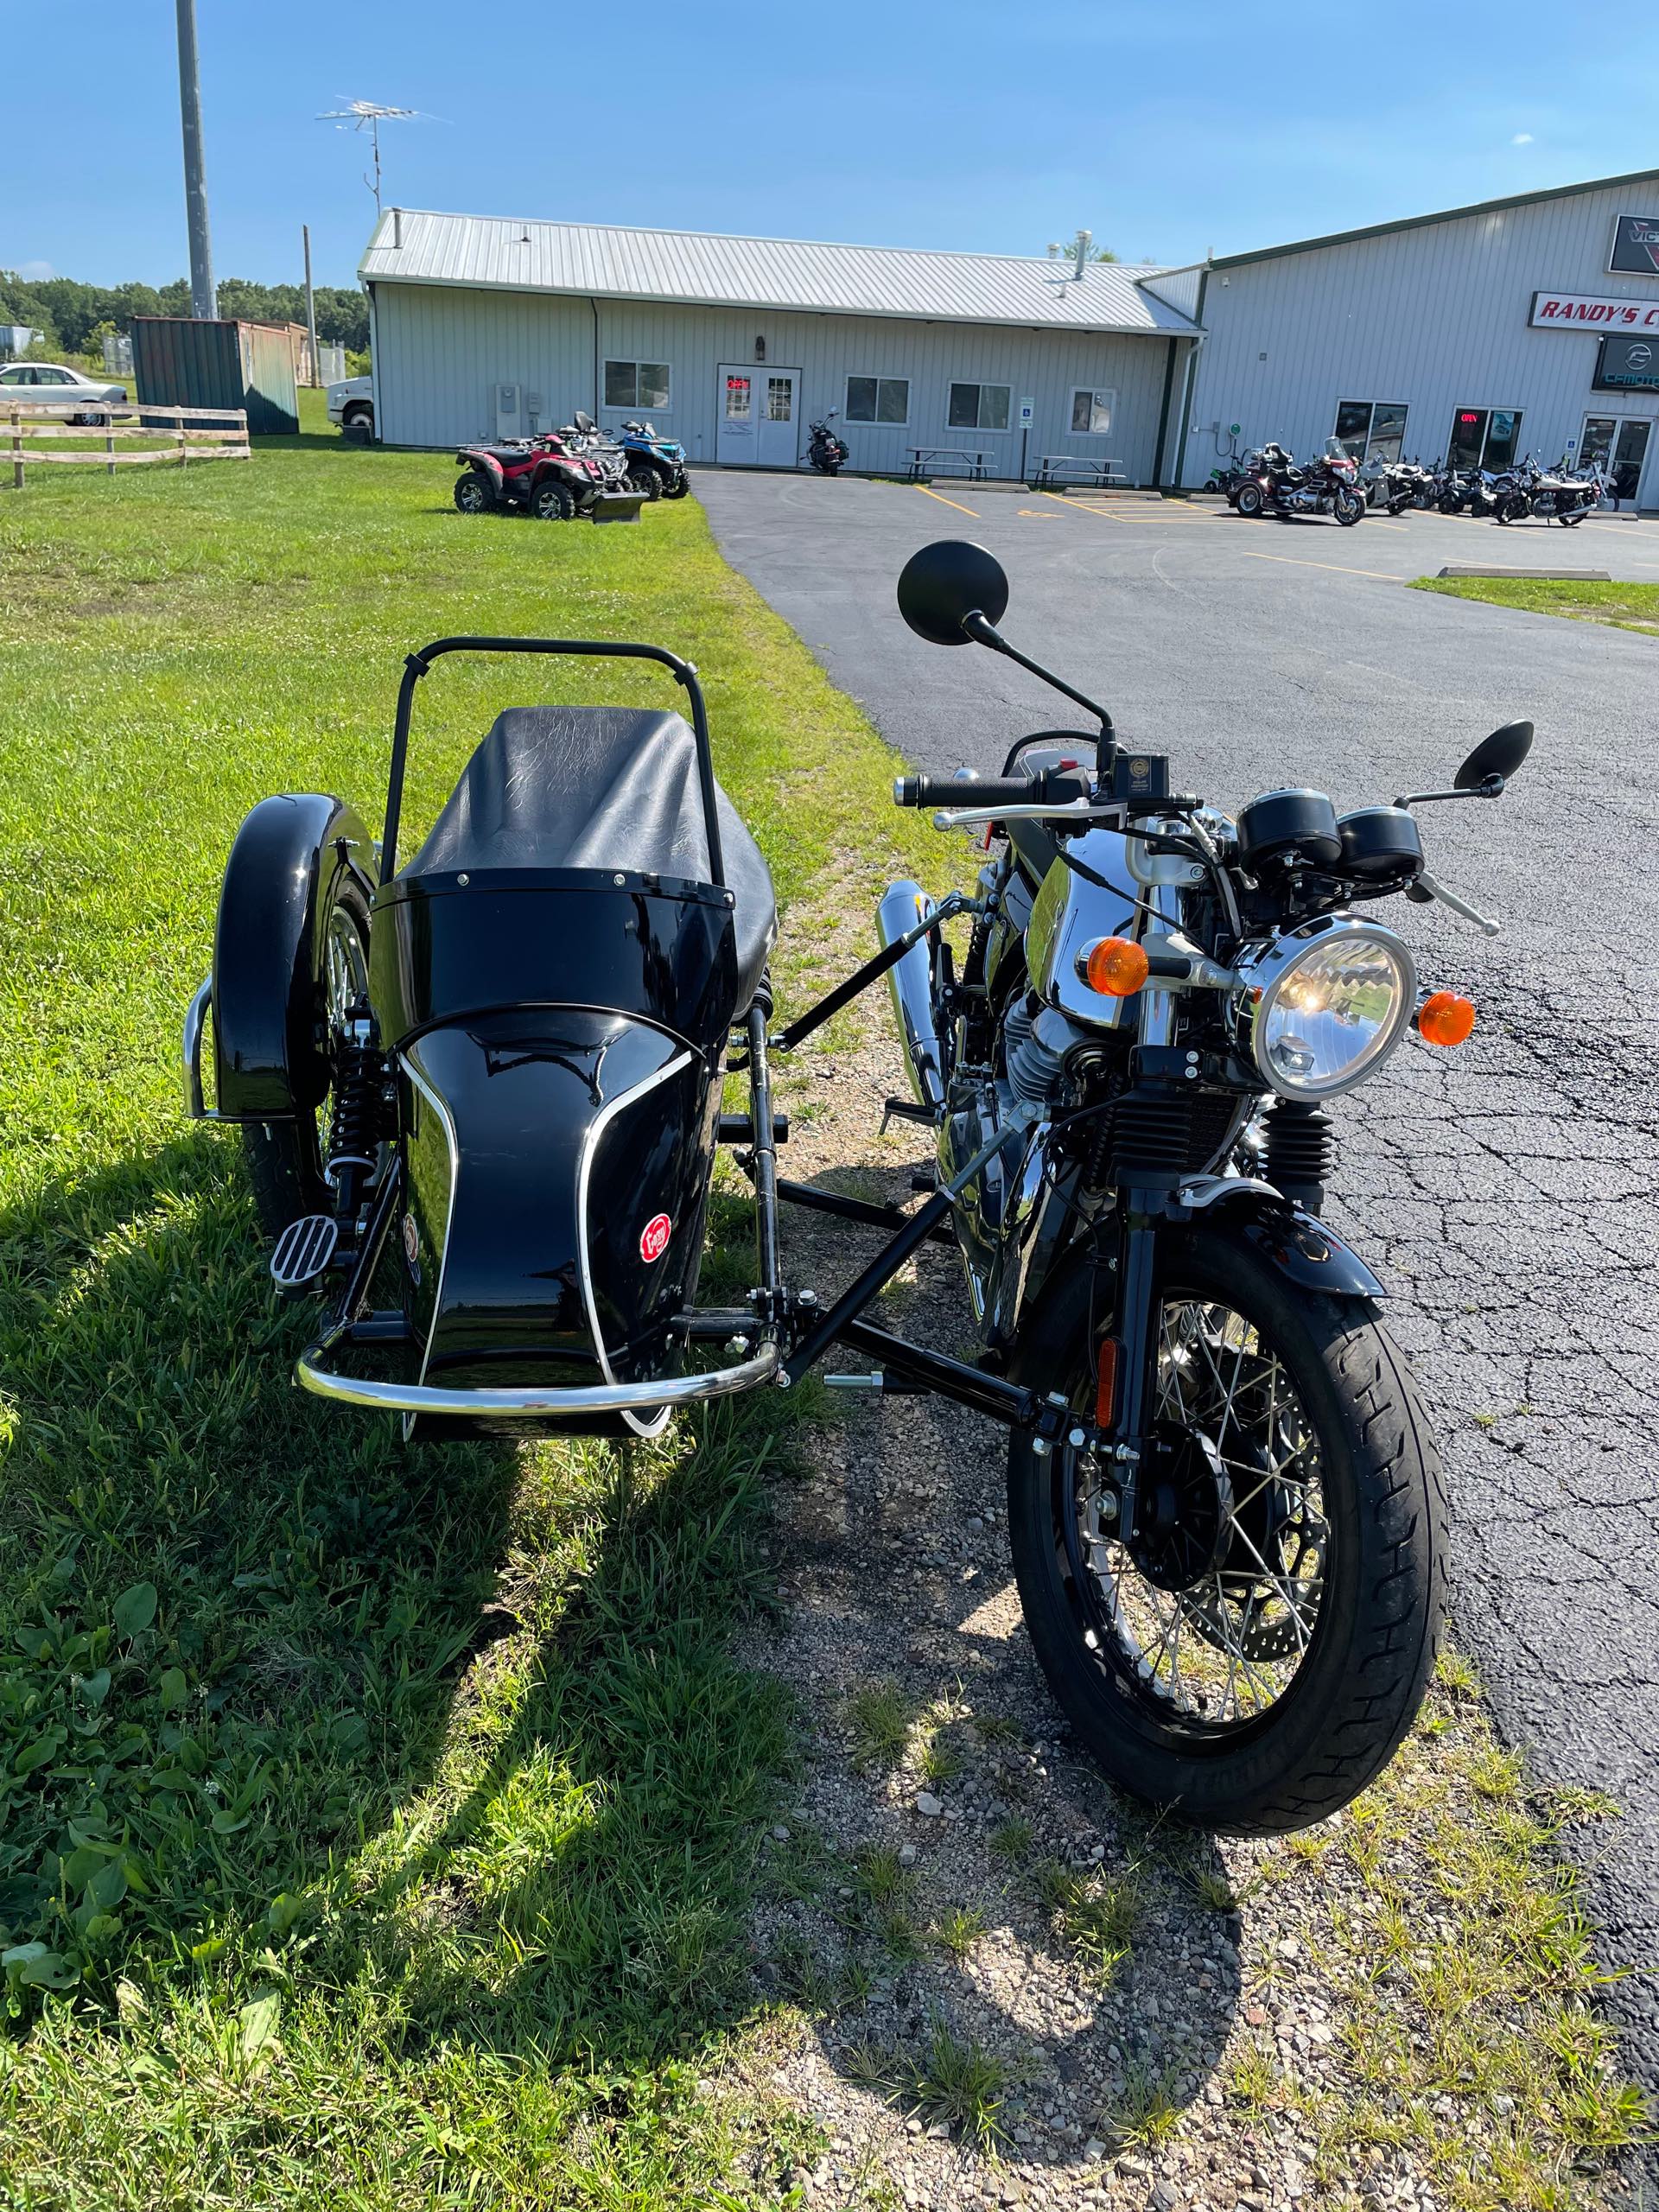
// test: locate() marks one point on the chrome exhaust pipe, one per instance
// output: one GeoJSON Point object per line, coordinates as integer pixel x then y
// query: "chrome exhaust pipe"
{"type": "Point", "coordinates": [910, 979]}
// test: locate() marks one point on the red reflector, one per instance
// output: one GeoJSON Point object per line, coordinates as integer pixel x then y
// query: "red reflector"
{"type": "Point", "coordinates": [1106, 1383]}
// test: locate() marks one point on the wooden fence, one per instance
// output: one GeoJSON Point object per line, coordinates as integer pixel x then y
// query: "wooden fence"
{"type": "Point", "coordinates": [34, 424]}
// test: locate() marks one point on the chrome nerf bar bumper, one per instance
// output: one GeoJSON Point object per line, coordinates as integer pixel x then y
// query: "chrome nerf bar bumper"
{"type": "Point", "coordinates": [585, 1398]}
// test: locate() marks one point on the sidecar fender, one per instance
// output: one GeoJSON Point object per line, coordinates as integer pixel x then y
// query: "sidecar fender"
{"type": "Point", "coordinates": [283, 869]}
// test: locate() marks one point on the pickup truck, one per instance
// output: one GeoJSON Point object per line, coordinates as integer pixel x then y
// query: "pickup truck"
{"type": "Point", "coordinates": [352, 404]}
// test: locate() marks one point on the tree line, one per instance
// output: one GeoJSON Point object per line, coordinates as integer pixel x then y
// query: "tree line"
{"type": "Point", "coordinates": [74, 316]}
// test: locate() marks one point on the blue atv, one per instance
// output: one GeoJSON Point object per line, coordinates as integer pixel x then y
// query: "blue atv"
{"type": "Point", "coordinates": [656, 466]}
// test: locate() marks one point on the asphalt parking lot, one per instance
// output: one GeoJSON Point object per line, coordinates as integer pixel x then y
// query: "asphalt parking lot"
{"type": "Point", "coordinates": [1506, 1194]}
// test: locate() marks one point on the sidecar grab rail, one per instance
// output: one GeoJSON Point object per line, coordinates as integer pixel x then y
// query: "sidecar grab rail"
{"type": "Point", "coordinates": [583, 1398]}
{"type": "Point", "coordinates": [418, 664]}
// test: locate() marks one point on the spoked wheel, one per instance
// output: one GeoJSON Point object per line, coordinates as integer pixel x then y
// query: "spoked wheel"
{"type": "Point", "coordinates": [1252, 1654]}
{"type": "Point", "coordinates": [287, 1160]}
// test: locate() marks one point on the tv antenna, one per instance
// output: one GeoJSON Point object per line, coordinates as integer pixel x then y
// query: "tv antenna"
{"type": "Point", "coordinates": [369, 115]}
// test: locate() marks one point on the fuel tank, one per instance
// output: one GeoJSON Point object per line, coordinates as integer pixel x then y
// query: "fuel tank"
{"type": "Point", "coordinates": [558, 1168]}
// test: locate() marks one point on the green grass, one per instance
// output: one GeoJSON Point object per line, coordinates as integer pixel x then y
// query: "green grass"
{"type": "Point", "coordinates": [1625, 606]}
{"type": "Point", "coordinates": [377, 1828]}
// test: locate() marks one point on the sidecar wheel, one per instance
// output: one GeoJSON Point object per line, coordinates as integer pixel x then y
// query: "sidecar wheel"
{"type": "Point", "coordinates": [285, 1159]}
{"type": "Point", "coordinates": [1255, 1663]}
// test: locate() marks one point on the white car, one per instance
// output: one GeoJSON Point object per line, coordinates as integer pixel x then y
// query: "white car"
{"type": "Point", "coordinates": [46, 381]}
{"type": "Point", "coordinates": [352, 404]}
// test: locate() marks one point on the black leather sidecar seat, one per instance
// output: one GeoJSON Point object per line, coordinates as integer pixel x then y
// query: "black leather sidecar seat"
{"type": "Point", "coordinates": [604, 788]}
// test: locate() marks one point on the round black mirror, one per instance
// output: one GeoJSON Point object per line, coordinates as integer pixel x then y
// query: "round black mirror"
{"type": "Point", "coordinates": [1500, 754]}
{"type": "Point", "coordinates": [946, 581]}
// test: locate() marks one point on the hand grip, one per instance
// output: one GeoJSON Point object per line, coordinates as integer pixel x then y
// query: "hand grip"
{"type": "Point", "coordinates": [1049, 787]}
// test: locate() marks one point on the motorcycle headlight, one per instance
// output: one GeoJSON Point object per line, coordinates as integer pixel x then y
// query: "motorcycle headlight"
{"type": "Point", "coordinates": [1322, 1008]}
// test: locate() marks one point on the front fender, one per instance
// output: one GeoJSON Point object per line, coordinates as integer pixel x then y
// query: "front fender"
{"type": "Point", "coordinates": [1299, 1244]}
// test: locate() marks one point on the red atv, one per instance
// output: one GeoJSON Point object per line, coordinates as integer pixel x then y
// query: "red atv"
{"type": "Point", "coordinates": [545, 476]}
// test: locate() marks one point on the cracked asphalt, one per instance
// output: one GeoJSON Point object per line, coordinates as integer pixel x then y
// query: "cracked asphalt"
{"type": "Point", "coordinates": [1506, 1193]}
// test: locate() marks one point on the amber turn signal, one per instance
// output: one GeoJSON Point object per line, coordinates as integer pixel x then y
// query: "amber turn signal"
{"type": "Point", "coordinates": [1116, 967]}
{"type": "Point", "coordinates": [1445, 1017]}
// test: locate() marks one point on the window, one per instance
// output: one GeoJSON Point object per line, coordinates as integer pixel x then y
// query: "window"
{"type": "Point", "coordinates": [53, 376]}
{"type": "Point", "coordinates": [979, 406]}
{"type": "Point", "coordinates": [780, 400]}
{"type": "Point", "coordinates": [738, 395]}
{"type": "Point", "coordinates": [637, 384]}
{"type": "Point", "coordinates": [1091, 413]}
{"type": "Point", "coordinates": [1483, 437]}
{"type": "Point", "coordinates": [878, 399]}
{"type": "Point", "coordinates": [1371, 429]}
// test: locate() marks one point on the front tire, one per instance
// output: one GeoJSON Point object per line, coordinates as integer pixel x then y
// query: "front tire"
{"type": "Point", "coordinates": [677, 487]}
{"type": "Point", "coordinates": [551, 502]}
{"type": "Point", "coordinates": [1358, 1627]}
{"type": "Point", "coordinates": [646, 480]}
{"type": "Point", "coordinates": [1350, 508]}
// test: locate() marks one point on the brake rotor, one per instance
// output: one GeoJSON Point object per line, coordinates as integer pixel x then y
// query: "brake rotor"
{"type": "Point", "coordinates": [1183, 1521]}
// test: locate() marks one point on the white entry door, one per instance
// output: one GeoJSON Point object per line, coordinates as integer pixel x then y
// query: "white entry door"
{"type": "Point", "coordinates": [758, 415]}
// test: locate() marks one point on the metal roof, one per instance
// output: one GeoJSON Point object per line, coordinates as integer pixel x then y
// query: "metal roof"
{"type": "Point", "coordinates": [1443, 215]}
{"type": "Point", "coordinates": [595, 260]}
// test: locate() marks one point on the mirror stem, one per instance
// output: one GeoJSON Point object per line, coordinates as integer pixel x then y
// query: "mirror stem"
{"type": "Point", "coordinates": [975, 626]}
{"type": "Point", "coordinates": [1491, 786]}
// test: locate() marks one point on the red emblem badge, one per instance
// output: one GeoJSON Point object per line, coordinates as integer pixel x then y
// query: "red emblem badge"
{"type": "Point", "coordinates": [653, 1237]}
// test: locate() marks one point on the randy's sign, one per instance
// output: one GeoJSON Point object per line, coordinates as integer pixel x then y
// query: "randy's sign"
{"type": "Point", "coordinates": [1580, 311]}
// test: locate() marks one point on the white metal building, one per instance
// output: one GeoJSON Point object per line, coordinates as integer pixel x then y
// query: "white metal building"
{"type": "Point", "coordinates": [484, 327]}
{"type": "Point", "coordinates": [1529, 324]}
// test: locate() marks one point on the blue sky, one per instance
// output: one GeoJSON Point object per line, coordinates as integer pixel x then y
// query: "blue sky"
{"type": "Point", "coordinates": [1165, 128]}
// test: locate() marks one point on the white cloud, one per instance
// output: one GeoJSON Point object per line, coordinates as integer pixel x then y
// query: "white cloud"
{"type": "Point", "coordinates": [1521, 138]}
{"type": "Point", "coordinates": [35, 272]}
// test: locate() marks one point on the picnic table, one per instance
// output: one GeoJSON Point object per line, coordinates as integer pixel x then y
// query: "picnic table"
{"type": "Point", "coordinates": [1084, 471]}
{"type": "Point", "coordinates": [922, 459]}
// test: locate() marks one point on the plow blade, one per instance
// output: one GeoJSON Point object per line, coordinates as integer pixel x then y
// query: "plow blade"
{"type": "Point", "coordinates": [617, 507]}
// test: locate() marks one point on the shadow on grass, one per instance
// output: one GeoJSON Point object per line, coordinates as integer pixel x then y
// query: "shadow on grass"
{"type": "Point", "coordinates": [237, 1627]}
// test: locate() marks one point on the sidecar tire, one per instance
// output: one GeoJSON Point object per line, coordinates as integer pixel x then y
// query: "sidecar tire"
{"type": "Point", "coordinates": [1372, 1646]}
{"type": "Point", "coordinates": [284, 1159]}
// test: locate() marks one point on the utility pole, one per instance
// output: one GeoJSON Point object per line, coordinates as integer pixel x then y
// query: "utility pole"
{"type": "Point", "coordinates": [203, 301]}
{"type": "Point", "coordinates": [310, 307]}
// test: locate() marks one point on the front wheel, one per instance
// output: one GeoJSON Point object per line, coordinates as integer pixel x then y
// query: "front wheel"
{"type": "Point", "coordinates": [1450, 504]}
{"type": "Point", "coordinates": [551, 502]}
{"type": "Point", "coordinates": [677, 487]}
{"type": "Point", "coordinates": [1254, 1655]}
{"type": "Point", "coordinates": [1514, 509]}
{"type": "Point", "coordinates": [646, 480]}
{"type": "Point", "coordinates": [1350, 508]}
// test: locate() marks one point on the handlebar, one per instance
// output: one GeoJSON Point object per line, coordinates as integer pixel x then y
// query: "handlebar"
{"type": "Point", "coordinates": [1050, 785]}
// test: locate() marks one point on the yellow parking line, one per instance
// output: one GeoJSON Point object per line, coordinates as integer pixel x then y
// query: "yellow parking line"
{"type": "Point", "coordinates": [943, 502]}
{"type": "Point", "coordinates": [1101, 514]}
{"type": "Point", "coordinates": [1376, 522]}
{"type": "Point", "coordinates": [1289, 561]}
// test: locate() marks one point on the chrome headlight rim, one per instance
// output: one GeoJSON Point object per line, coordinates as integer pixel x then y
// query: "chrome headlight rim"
{"type": "Point", "coordinates": [1266, 965]}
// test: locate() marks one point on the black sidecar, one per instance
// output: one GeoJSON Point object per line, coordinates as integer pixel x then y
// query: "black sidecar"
{"type": "Point", "coordinates": [499, 1065]}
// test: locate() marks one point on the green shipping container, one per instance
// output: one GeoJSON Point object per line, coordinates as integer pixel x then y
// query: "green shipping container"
{"type": "Point", "coordinates": [177, 363]}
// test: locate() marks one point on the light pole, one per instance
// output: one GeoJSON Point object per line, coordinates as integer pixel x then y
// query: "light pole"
{"type": "Point", "coordinates": [204, 303]}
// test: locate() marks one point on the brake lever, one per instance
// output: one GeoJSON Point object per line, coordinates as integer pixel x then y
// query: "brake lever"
{"type": "Point", "coordinates": [1425, 888]}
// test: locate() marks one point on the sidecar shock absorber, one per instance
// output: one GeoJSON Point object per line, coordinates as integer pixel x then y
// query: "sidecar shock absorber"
{"type": "Point", "coordinates": [355, 1116]}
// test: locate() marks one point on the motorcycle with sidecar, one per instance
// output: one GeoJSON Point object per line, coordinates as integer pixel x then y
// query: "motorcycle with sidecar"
{"type": "Point", "coordinates": [480, 1088]}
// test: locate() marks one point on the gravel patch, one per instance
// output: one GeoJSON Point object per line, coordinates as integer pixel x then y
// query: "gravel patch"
{"type": "Point", "coordinates": [990, 1980]}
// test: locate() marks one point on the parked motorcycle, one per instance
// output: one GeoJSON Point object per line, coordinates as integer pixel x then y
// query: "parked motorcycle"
{"type": "Point", "coordinates": [1327, 486]}
{"type": "Point", "coordinates": [1394, 484]}
{"type": "Point", "coordinates": [825, 451]}
{"type": "Point", "coordinates": [656, 466]}
{"type": "Point", "coordinates": [480, 1096]}
{"type": "Point", "coordinates": [549, 476]}
{"type": "Point", "coordinates": [1552, 495]}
